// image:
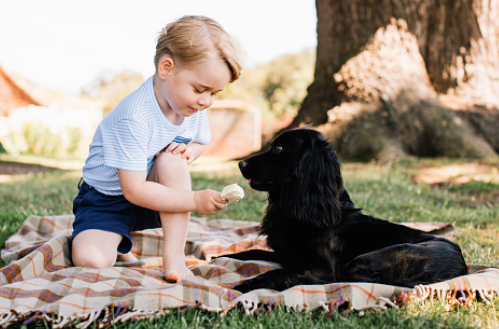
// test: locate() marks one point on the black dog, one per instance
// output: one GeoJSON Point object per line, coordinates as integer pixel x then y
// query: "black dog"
{"type": "Point", "coordinates": [318, 236]}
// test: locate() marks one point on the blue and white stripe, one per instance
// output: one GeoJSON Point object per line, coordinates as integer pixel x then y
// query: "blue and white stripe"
{"type": "Point", "coordinates": [129, 137]}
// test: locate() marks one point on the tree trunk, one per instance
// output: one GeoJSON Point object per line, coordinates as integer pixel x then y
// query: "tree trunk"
{"type": "Point", "coordinates": [416, 77]}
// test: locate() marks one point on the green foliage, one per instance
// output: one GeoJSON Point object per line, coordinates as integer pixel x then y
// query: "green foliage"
{"type": "Point", "coordinates": [277, 87]}
{"type": "Point", "coordinates": [474, 186]}
{"type": "Point", "coordinates": [112, 87]}
{"type": "Point", "coordinates": [15, 143]}
{"type": "Point", "coordinates": [39, 139]}
{"type": "Point", "coordinates": [74, 135]}
{"type": "Point", "coordinates": [286, 82]}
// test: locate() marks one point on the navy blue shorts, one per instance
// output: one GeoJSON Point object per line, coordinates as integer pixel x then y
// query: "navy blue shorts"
{"type": "Point", "coordinates": [112, 213]}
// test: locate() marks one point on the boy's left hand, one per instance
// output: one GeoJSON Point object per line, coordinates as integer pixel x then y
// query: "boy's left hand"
{"type": "Point", "coordinates": [180, 149]}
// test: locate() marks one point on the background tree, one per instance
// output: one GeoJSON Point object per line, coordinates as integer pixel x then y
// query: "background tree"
{"type": "Point", "coordinates": [416, 77]}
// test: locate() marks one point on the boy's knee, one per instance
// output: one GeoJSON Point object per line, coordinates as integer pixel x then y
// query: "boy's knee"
{"type": "Point", "coordinates": [171, 170]}
{"type": "Point", "coordinates": [92, 258]}
{"type": "Point", "coordinates": [167, 160]}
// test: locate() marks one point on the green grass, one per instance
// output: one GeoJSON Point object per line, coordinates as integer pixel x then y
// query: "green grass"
{"type": "Point", "coordinates": [386, 191]}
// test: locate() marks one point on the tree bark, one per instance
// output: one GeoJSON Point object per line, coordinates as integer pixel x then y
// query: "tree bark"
{"type": "Point", "coordinates": [398, 77]}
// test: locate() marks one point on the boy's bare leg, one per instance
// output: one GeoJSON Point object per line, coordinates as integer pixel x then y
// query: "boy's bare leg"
{"type": "Point", "coordinates": [175, 235]}
{"type": "Point", "coordinates": [95, 248]}
{"type": "Point", "coordinates": [172, 171]}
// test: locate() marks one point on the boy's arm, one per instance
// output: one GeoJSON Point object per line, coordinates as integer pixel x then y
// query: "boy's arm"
{"type": "Point", "coordinates": [196, 151]}
{"type": "Point", "coordinates": [152, 195]}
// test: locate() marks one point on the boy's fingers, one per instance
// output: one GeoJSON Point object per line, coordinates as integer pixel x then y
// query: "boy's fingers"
{"type": "Point", "coordinates": [172, 146]}
{"type": "Point", "coordinates": [219, 206]}
{"type": "Point", "coordinates": [218, 203]}
{"type": "Point", "coordinates": [217, 196]}
{"type": "Point", "coordinates": [179, 149]}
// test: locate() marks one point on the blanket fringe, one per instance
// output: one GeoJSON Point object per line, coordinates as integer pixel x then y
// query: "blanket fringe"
{"type": "Point", "coordinates": [104, 316]}
{"type": "Point", "coordinates": [324, 307]}
{"type": "Point", "coordinates": [139, 315]}
{"type": "Point", "coordinates": [7, 320]}
{"type": "Point", "coordinates": [92, 317]}
{"type": "Point", "coordinates": [452, 297]}
{"type": "Point", "coordinates": [113, 314]}
{"type": "Point", "coordinates": [250, 307]}
{"type": "Point", "coordinates": [487, 296]}
{"type": "Point", "coordinates": [62, 321]}
{"type": "Point", "coordinates": [385, 303]}
{"type": "Point", "coordinates": [56, 321]}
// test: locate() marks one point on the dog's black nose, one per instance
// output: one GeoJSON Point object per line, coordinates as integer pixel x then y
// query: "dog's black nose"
{"type": "Point", "coordinates": [242, 164]}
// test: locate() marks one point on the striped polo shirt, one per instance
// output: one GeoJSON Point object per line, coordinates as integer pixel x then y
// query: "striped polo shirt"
{"type": "Point", "coordinates": [129, 137]}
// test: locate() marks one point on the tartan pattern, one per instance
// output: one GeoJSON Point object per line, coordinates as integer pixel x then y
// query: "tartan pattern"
{"type": "Point", "coordinates": [40, 282]}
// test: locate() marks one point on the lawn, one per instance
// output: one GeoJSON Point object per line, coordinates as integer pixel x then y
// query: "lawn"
{"type": "Point", "coordinates": [387, 191]}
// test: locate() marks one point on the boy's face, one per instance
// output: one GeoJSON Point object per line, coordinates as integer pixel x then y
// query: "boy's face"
{"type": "Point", "coordinates": [182, 91]}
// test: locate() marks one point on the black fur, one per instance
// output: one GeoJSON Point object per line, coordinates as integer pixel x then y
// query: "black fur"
{"type": "Point", "coordinates": [318, 236]}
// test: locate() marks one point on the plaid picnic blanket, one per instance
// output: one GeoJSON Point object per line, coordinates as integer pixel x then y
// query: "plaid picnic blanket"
{"type": "Point", "coordinates": [39, 280]}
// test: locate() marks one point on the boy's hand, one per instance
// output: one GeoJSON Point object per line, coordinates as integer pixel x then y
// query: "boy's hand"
{"type": "Point", "coordinates": [209, 202]}
{"type": "Point", "coordinates": [176, 148]}
{"type": "Point", "coordinates": [184, 150]}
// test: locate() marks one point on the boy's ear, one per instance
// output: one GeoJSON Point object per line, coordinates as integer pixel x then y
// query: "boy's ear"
{"type": "Point", "coordinates": [165, 66]}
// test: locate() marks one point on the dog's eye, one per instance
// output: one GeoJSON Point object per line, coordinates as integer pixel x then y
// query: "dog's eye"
{"type": "Point", "coordinates": [278, 148]}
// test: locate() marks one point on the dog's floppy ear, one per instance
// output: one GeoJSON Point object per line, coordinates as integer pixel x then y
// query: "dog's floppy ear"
{"type": "Point", "coordinates": [311, 192]}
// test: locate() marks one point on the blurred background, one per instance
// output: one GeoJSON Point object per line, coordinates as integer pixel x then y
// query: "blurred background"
{"type": "Point", "coordinates": [63, 65]}
{"type": "Point", "coordinates": [381, 83]}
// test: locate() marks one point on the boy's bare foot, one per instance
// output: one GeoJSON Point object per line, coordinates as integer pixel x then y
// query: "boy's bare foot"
{"type": "Point", "coordinates": [127, 257]}
{"type": "Point", "coordinates": [175, 269]}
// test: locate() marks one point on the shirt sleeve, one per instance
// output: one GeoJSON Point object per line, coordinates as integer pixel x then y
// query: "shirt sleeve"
{"type": "Point", "coordinates": [203, 135]}
{"type": "Point", "coordinates": [125, 146]}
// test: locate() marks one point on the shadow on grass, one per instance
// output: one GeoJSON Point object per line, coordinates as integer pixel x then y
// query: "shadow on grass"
{"type": "Point", "coordinates": [18, 168]}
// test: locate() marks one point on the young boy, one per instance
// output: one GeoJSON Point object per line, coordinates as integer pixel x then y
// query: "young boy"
{"type": "Point", "coordinates": [136, 175]}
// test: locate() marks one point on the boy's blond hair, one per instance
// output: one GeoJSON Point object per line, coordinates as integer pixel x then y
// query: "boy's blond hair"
{"type": "Point", "coordinates": [192, 39]}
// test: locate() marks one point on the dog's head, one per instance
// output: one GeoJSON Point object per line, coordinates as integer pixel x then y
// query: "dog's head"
{"type": "Point", "coordinates": [301, 170]}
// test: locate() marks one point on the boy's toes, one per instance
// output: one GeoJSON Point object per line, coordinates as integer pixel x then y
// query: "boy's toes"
{"type": "Point", "coordinates": [178, 276]}
{"type": "Point", "coordinates": [171, 277]}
